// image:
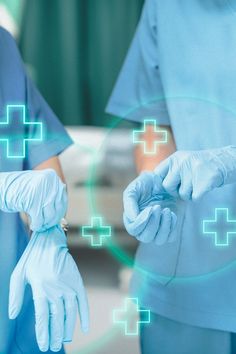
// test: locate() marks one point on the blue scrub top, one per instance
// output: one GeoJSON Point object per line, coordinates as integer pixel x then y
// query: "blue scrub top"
{"type": "Point", "coordinates": [181, 70]}
{"type": "Point", "coordinates": [18, 336]}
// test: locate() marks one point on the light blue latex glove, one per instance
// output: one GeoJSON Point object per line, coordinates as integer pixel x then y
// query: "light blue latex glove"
{"type": "Point", "coordinates": [147, 214]}
{"type": "Point", "coordinates": [191, 174]}
{"type": "Point", "coordinates": [57, 287]}
{"type": "Point", "coordinates": [40, 194]}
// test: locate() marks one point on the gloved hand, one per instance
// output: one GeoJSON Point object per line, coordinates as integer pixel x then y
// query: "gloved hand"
{"type": "Point", "coordinates": [191, 174]}
{"type": "Point", "coordinates": [147, 214]}
{"type": "Point", "coordinates": [40, 194]}
{"type": "Point", "coordinates": [57, 288]}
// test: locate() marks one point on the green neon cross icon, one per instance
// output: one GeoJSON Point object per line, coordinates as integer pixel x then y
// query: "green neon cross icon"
{"type": "Point", "coordinates": [97, 232]}
{"type": "Point", "coordinates": [125, 316]}
{"type": "Point", "coordinates": [16, 131]}
{"type": "Point", "coordinates": [221, 227]}
{"type": "Point", "coordinates": [161, 136]}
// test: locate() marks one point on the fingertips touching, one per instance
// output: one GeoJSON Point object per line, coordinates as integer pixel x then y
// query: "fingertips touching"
{"type": "Point", "coordinates": [56, 325]}
{"type": "Point", "coordinates": [137, 226]}
{"type": "Point", "coordinates": [42, 323]}
{"type": "Point", "coordinates": [149, 232]}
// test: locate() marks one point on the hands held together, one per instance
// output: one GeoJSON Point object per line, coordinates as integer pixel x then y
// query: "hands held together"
{"type": "Point", "coordinates": [40, 194]}
{"type": "Point", "coordinates": [150, 208]}
{"type": "Point", "coordinates": [150, 199]}
{"type": "Point", "coordinates": [46, 264]}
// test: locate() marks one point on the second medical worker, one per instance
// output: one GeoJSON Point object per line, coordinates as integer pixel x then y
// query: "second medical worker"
{"type": "Point", "coordinates": [181, 71]}
{"type": "Point", "coordinates": [38, 306]}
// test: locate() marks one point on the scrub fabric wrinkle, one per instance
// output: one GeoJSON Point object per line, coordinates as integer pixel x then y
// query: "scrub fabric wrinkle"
{"type": "Point", "coordinates": [180, 70]}
{"type": "Point", "coordinates": [18, 336]}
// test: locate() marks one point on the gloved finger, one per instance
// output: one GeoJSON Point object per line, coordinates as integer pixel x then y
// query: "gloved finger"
{"type": "Point", "coordinates": [186, 188]}
{"type": "Point", "coordinates": [70, 304]}
{"type": "Point", "coordinates": [82, 302]}
{"type": "Point", "coordinates": [162, 169]}
{"type": "Point", "coordinates": [173, 232]}
{"type": "Point", "coordinates": [169, 174]}
{"type": "Point", "coordinates": [163, 232]}
{"type": "Point", "coordinates": [137, 193]}
{"type": "Point", "coordinates": [137, 226]}
{"type": "Point", "coordinates": [158, 189]}
{"type": "Point", "coordinates": [16, 293]}
{"type": "Point", "coordinates": [130, 202]}
{"type": "Point", "coordinates": [172, 183]}
{"type": "Point", "coordinates": [57, 316]}
{"type": "Point", "coordinates": [149, 233]}
{"type": "Point", "coordinates": [200, 190]}
{"type": "Point", "coordinates": [42, 323]}
{"type": "Point", "coordinates": [205, 181]}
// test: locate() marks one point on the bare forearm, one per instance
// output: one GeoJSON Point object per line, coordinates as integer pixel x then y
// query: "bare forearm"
{"type": "Point", "coordinates": [53, 163]}
{"type": "Point", "coordinates": [145, 162]}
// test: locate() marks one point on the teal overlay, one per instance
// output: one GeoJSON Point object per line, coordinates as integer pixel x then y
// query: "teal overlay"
{"type": "Point", "coordinates": [159, 140]}
{"type": "Point", "coordinates": [125, 316]}
{"type": "Point", "coordinates": [221, 227]}
{"type": "Point", "coordinates": [16, 144]}
{"type": "Point", "coordinates": [97, 232]}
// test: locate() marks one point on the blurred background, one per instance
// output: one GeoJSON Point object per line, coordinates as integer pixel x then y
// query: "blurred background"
{"type": "Point", "coordinates": [73, 50]}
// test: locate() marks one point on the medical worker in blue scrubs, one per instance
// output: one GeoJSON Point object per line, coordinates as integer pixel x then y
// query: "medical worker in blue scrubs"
{"type": "Point", "coordinates": [180, 71]}
{"type": "Point", "coordinates": [41, 287]}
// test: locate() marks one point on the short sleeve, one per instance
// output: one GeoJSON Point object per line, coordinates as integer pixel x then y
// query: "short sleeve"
{"type": "Point", "coordinates": [17, 88]}
{"type": "Point", "coordinates": [55, 139]}
{"type": "Point", "coordinates": [138, 92]}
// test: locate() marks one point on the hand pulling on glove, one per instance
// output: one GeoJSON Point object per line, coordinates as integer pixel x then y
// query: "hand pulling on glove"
{"type": "Point", "coordinates": [189, 175]}
{"type": "Point", "coordinates": [40, 194]}
{"type": "Point", "coordinates": [147, 210]}
{"type": "Point", "coordinates": [150, 199]}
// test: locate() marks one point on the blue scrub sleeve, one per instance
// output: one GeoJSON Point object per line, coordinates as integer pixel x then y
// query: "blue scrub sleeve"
{"type": "Point", "coordinates": [18, 88]}
{"type": "Point", "coordinates": [55, 138]}
{"type": "Point", "coordinates": [138, 93]}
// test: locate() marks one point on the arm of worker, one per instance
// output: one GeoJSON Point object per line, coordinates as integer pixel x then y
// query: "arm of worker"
{"type": "Point", "coordinates": [59, 292]}
{"type": "Point", "coordinates": [189, 175]}
{"type": "Point", "coordinates": [52, 163]}
{"type": "Point", "coordinates": [132, 98]}
{"type": "Point", "coordinates": [147, 162]}
{"type": "Point", "coordinates": [148, 215]}
{"type": "Point", "coordinates": [39, 193]}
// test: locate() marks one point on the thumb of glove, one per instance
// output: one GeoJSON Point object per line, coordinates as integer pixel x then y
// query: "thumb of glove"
{"type": "Point", "coordinates": [16, 293]}
{"type": "Point", "coordinates": [134, 228]}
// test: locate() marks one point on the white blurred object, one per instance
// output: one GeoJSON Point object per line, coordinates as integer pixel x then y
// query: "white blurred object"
{"type": "Point", "coordinates": [97, 169]}
{"type": "Point", "coordinates": [78, 158]}
{"type": "Point", "coordinates": [104, 336]}
{"type": "Point", "coordinates": [7, 21]}
{"type": "Point", "coordinates": [125, 275]}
